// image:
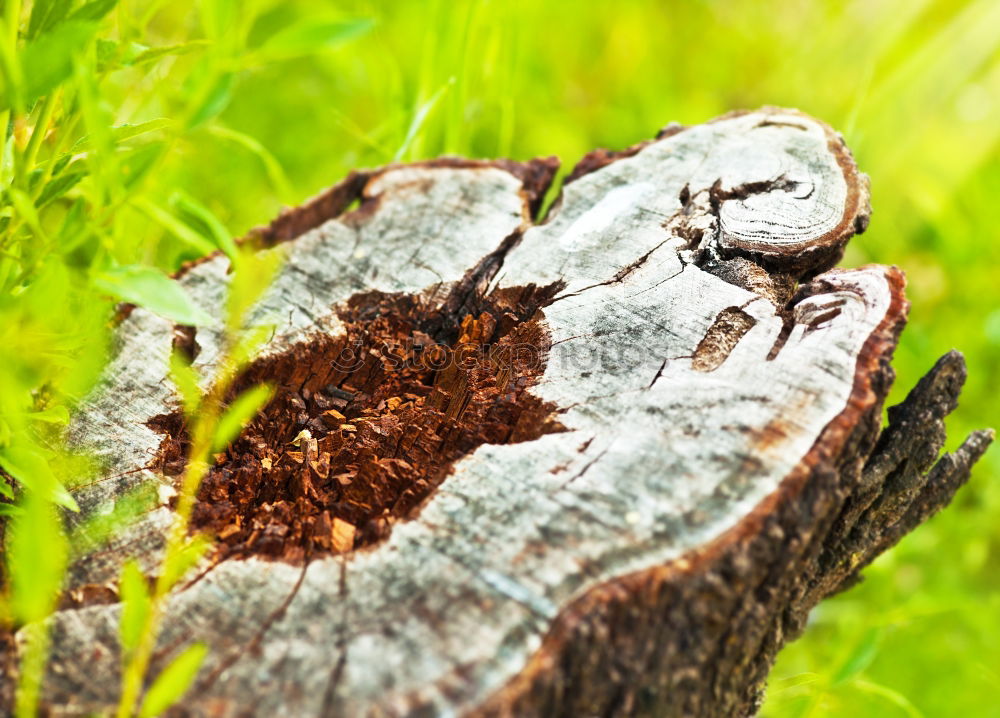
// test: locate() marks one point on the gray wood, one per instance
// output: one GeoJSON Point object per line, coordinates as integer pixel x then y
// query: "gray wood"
{"type": "Point", "coordinates": [721, 469]}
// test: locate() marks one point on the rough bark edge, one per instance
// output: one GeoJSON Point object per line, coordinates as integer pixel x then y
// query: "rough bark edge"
{"type": "Point", "coordinates": [602, 157]}
{"type": "Point", "coordinates": [723, 611]}
{"type": "Point", "coordinates": [535, 175]}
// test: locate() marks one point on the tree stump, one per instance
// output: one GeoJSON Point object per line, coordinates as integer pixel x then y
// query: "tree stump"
{"type": "Point", "coordinates": [603, 463]}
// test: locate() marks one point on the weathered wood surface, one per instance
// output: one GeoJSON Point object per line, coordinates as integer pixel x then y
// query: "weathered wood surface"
{"type": "Point", "coordinates": [720, 469]}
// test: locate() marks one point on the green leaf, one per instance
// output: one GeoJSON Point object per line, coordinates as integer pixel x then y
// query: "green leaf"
{"type": "Point", "coordinates": [116, 55]}
{"type": "Point", "coordinates": [7, 163]}
{"type": "Point", "coordinates": [46, 14]}
{"type": "Point", "coordinates": [136, 162]}
{"type": "Point", "coordinates": [97, 528]}
{"type": "Point", "coordinates": [177, 228]}
{"type": "Point", "coordinates": [48, 61]}
{"type": "Point", "coordinates": [58, 186]}
{"type": "Point", "coordinates": [73, 232]}
{"type": "Point", "coordinates": [214, 101]}
{"type": "Point", "coordinates": [185, 378]}
{"type": "Point", "coordinates": [253, 275]}
{"type": "Point", "coordinates": [249, 344]}
{"type": "Point", "coordinates": [51, 415]}
{"type": "Point", "coordinates": [175, 679]}
{"type": "Point", "coordinates": [245, 407]}
{"type": "Point", "coordinates": [6, 490]}
{"type": "Point", "coordinates": [26, 208]}
{"type": "Point", "coordinates": [109, 55]}
{"type": "Point", "coordinates": [201, 218]}
{"type": "Point", "coordinates": [61, 497]}
{"type": "Point", "coordinates": [154, 290]}
{"type": "Point", "coordinates": [419, 116]}
{"type": "Point", "coordinates": [890, 695]}
{"type": "Point", "coordinates": [311, 36]}
{"type": "Point", "coordinates": [153, 54]}
{"type": "Point", "coordinates": [219, 17]}
{"type": "Point", "coordinates": [136, 603]}
{"type": "Point", "coordinates": [29, 465]}
{"type": "Point", "coordinates": [126, 132]}
{"type": "Point", "coordinates": [179, 563]}
{"type": "Point", "coordinates": [25, 463]}
{"type": "Point", "coordinates": [271, 165]}
{"type": "Point", "coordinates": [61, 164]}
{"type": "Point", "coordinates": [94, 11]}
{"type": "Point", "coordinates": [121, 133]}
{"type": "Point", "coordinates": [36, 556]}
{"type": "Point", "coordinates": [861, 657]}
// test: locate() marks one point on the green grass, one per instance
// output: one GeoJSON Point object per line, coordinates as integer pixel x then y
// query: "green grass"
{"type": "Point", "coordinates": [259, 107]}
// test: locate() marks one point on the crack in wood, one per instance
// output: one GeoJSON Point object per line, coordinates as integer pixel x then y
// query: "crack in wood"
{"type": "Point", "coordinates": [252, 647]}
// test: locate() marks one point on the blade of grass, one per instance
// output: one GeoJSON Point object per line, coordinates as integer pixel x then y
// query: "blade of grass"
{"type": "Point", "coordinates": [419, 117]}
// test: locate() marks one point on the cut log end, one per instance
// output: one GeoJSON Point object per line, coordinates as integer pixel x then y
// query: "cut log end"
{"type": "Point", "coordinates": [664, 449]}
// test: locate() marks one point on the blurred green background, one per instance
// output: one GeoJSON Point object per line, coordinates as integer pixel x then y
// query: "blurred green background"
{"type": "Point", "coordinates": [268, 106]}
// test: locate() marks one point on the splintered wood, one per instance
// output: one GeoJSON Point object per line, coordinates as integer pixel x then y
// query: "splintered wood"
{"type": "Point", "coordinates": [598, 463]}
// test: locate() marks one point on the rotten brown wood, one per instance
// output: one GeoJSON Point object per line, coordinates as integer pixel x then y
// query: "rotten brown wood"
{"type": "Point", "coordinates": [365, 426]}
